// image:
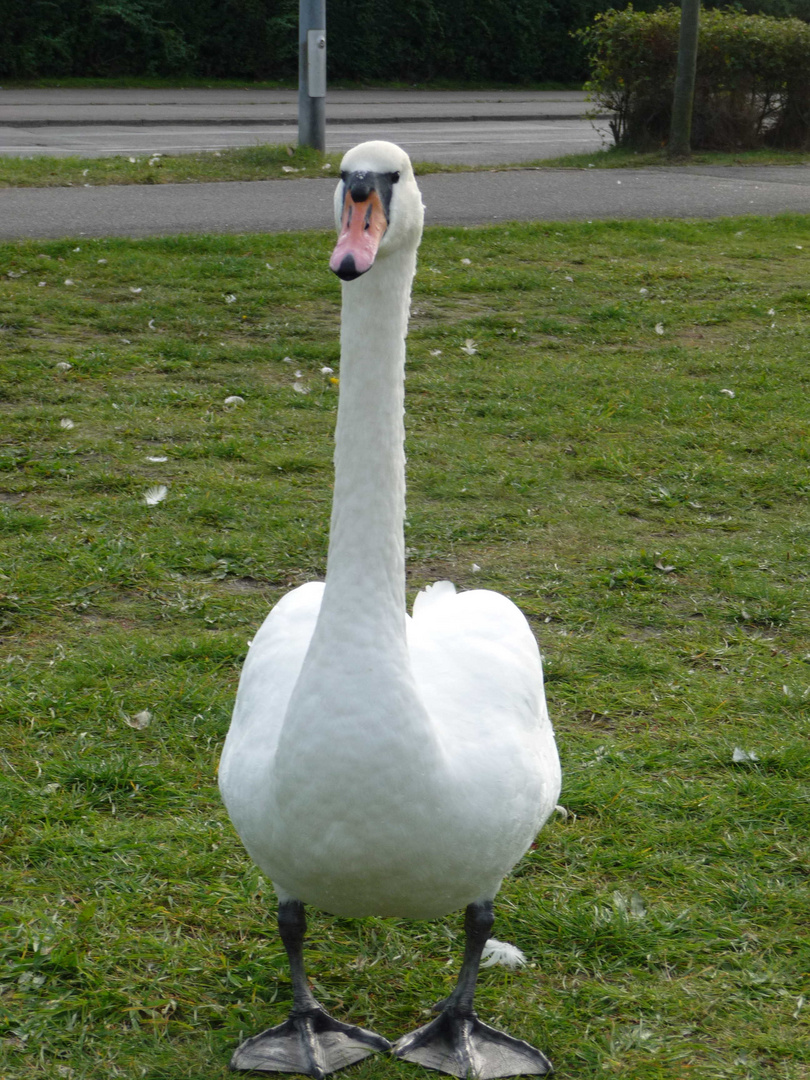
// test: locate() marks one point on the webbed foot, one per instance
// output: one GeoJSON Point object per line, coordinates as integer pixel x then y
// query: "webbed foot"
{"type": "Point", "coordinates": [312, 1043]}
{"type": "Point", "coordinates": [465, 1046]}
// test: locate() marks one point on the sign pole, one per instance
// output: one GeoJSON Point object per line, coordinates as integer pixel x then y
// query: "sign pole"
{"type": "Point", "coordinates": [312, 74]}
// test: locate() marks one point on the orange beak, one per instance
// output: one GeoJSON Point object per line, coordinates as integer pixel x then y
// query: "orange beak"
{"type": "Point", "coordinates": [362, 227]}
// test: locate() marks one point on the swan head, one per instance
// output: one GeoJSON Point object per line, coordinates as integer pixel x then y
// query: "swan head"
{"type": "Point", "coordinates": [378, 208]}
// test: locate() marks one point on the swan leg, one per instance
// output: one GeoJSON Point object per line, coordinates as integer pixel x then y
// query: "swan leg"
{"type": "Point", "coordinates": [310, 1041]}
{"type": "Point", "coordinates": [457, 1042]}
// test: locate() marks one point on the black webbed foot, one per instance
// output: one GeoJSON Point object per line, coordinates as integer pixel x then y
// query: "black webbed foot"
{"type": "Point", "coordinates": [312, 1043]}
{"type": "Point", "coordinates": [457, 1042]}
{"type": "Point", "coordinates": [464, 1046]}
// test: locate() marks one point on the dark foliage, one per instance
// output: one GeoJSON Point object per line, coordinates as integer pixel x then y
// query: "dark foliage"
{"type": "Point", "coordinates": [411, 41]}
{"type": "Point", "coordinates": [752, 85]}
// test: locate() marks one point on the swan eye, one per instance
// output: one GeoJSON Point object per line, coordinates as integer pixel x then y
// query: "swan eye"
{"type": "Point", "coordinates": [394, 177]}
{"type": "Point", "coordinates": [344, 176]}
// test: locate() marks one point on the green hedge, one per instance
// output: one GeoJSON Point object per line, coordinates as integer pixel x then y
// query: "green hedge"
{"type": "Point", "coordinates": [408, 40]}
{"type": "Point", "coordinates": [508, 41]}
{"type": "Point", "coordinates": [752, 85]}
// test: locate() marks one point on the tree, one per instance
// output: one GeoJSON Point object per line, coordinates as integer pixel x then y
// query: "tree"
{"type": "Point", "coordinates": [680, 131]}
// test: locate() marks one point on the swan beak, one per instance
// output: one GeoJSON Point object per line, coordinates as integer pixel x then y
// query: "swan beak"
{"type": "Point", "coordinates": [362, 226]}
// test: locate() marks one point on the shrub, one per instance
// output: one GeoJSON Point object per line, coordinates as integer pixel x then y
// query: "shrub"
{"type": "Point", "coordinates": [509, 41]}
{"type": "Point", "coordinates": [752, 85]}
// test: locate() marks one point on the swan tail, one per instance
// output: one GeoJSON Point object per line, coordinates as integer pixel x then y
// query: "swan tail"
{"type": "Point", "coordinates": [432, 594]}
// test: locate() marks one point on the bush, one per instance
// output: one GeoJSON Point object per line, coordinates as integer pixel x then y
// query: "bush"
{"type": "Point", "coordinates": [506, 41]}
{"type": "Point", "coordinates": [510, 41]}
{"type": "Point", "coordinates": [752, 85]}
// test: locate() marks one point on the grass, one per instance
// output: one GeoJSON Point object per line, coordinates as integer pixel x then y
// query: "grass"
{"type": "Point", "coordinates": [266, 162]}
{"type": "Point", "coordinates": [277, 162]}
{"type": "Point", "coordinates": [588, 459]}
{"type": "Point", "coordinates": [615, 157]}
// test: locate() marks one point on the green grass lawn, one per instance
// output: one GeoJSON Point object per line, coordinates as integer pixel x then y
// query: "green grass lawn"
{"type": "Point", "coordinates": [279, 162]}
{"type": "Point", "coordinates": [623, 448]}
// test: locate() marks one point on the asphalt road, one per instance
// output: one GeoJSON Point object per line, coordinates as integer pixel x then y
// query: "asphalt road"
{"type": "Point", "coordinates": [454, 142]}
{"type": "Point", "coordinates": [484, 123]}
{"type": "Point", "coordinates": [451, 199]}
{"type": "Point", "coordinates": [450, 127]}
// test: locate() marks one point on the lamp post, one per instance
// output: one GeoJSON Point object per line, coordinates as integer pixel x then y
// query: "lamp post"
{"type": "Point", "coordinates": [312, 73]}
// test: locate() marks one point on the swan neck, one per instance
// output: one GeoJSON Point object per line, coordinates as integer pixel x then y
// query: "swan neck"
{"type": "Point", "coordinates": [366, 560]}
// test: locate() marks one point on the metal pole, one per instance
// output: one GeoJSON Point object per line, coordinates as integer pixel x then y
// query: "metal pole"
{"type": "Point", "coordinates": [312, 73]}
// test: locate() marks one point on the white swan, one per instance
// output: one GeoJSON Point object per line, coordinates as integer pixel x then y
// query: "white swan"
{"type": "Point", "coordinates": [378, 764]}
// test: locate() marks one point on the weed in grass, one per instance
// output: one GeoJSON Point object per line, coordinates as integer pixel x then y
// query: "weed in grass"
{"type": "Point", "coordinates": [653, 528]}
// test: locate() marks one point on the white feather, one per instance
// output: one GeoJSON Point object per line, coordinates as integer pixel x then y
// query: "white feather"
{"type": "Point", "coordinates": [154, 495]}
{"type": "Point", "coordinates": [501, 952]}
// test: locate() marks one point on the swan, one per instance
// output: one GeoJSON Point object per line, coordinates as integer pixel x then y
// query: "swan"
{"type": "Point", "coordinates": [376, 763]}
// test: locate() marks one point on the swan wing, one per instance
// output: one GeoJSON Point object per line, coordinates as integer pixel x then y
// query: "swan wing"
{"type": "Point", "coordinates": [479, 674]}
{"type": "Point", "coordinates": [474, 653]}
{"type": "Point", "coordinates": [269, 674]}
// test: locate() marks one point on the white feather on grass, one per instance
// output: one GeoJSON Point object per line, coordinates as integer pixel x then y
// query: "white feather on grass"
{"type": "Point", "coordinates": [154, 495]}
{"type": "Point", "coordinates": [501, 952]}
{"type": "Point", "coordinates": [743, 755]}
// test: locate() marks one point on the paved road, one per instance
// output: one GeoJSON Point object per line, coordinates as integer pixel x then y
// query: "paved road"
{"type": "Point", "coordinates": [453, 199]}
{"type": "Point", "coordinates": [459, 142]}
{"type": "Point", "coordinates": [451, 127]}
{"type": "Point", "coordinates": [486, 123]}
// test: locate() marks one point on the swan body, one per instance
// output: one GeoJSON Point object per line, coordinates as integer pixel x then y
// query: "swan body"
{"type": "Point", "coordinates": [377, 763]}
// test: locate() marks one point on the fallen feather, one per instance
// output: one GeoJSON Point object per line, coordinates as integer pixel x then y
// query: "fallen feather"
{"type": "Point", "coordinates": [659, 328]}
{"type": "Point", "coordinates": [234, 399]}
{"type": "Point", "coordinates": [157, 460]}
{"type": "Point", "coordinates": [66, 424]}
{"type": "Point", "coordinates": [728, 393]}
{"type": "Point", "coordinates": [501, 952]}
{"type": "Point", "coordinates": [740, 755]}
{"type": "Point", "coordinates": [63, 365]}
{"type": "Point", "coordinates": [154, 495]}
{"type": "Point", "coordinates": [469, 347]}
{"type": "Point", "coordinates": [140, 720]}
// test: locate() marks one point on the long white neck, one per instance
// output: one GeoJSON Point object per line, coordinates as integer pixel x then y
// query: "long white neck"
{"type": "Point", "coordinates": [356, 716]}
{"type": "Point", "coordinates": [365, 577]}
